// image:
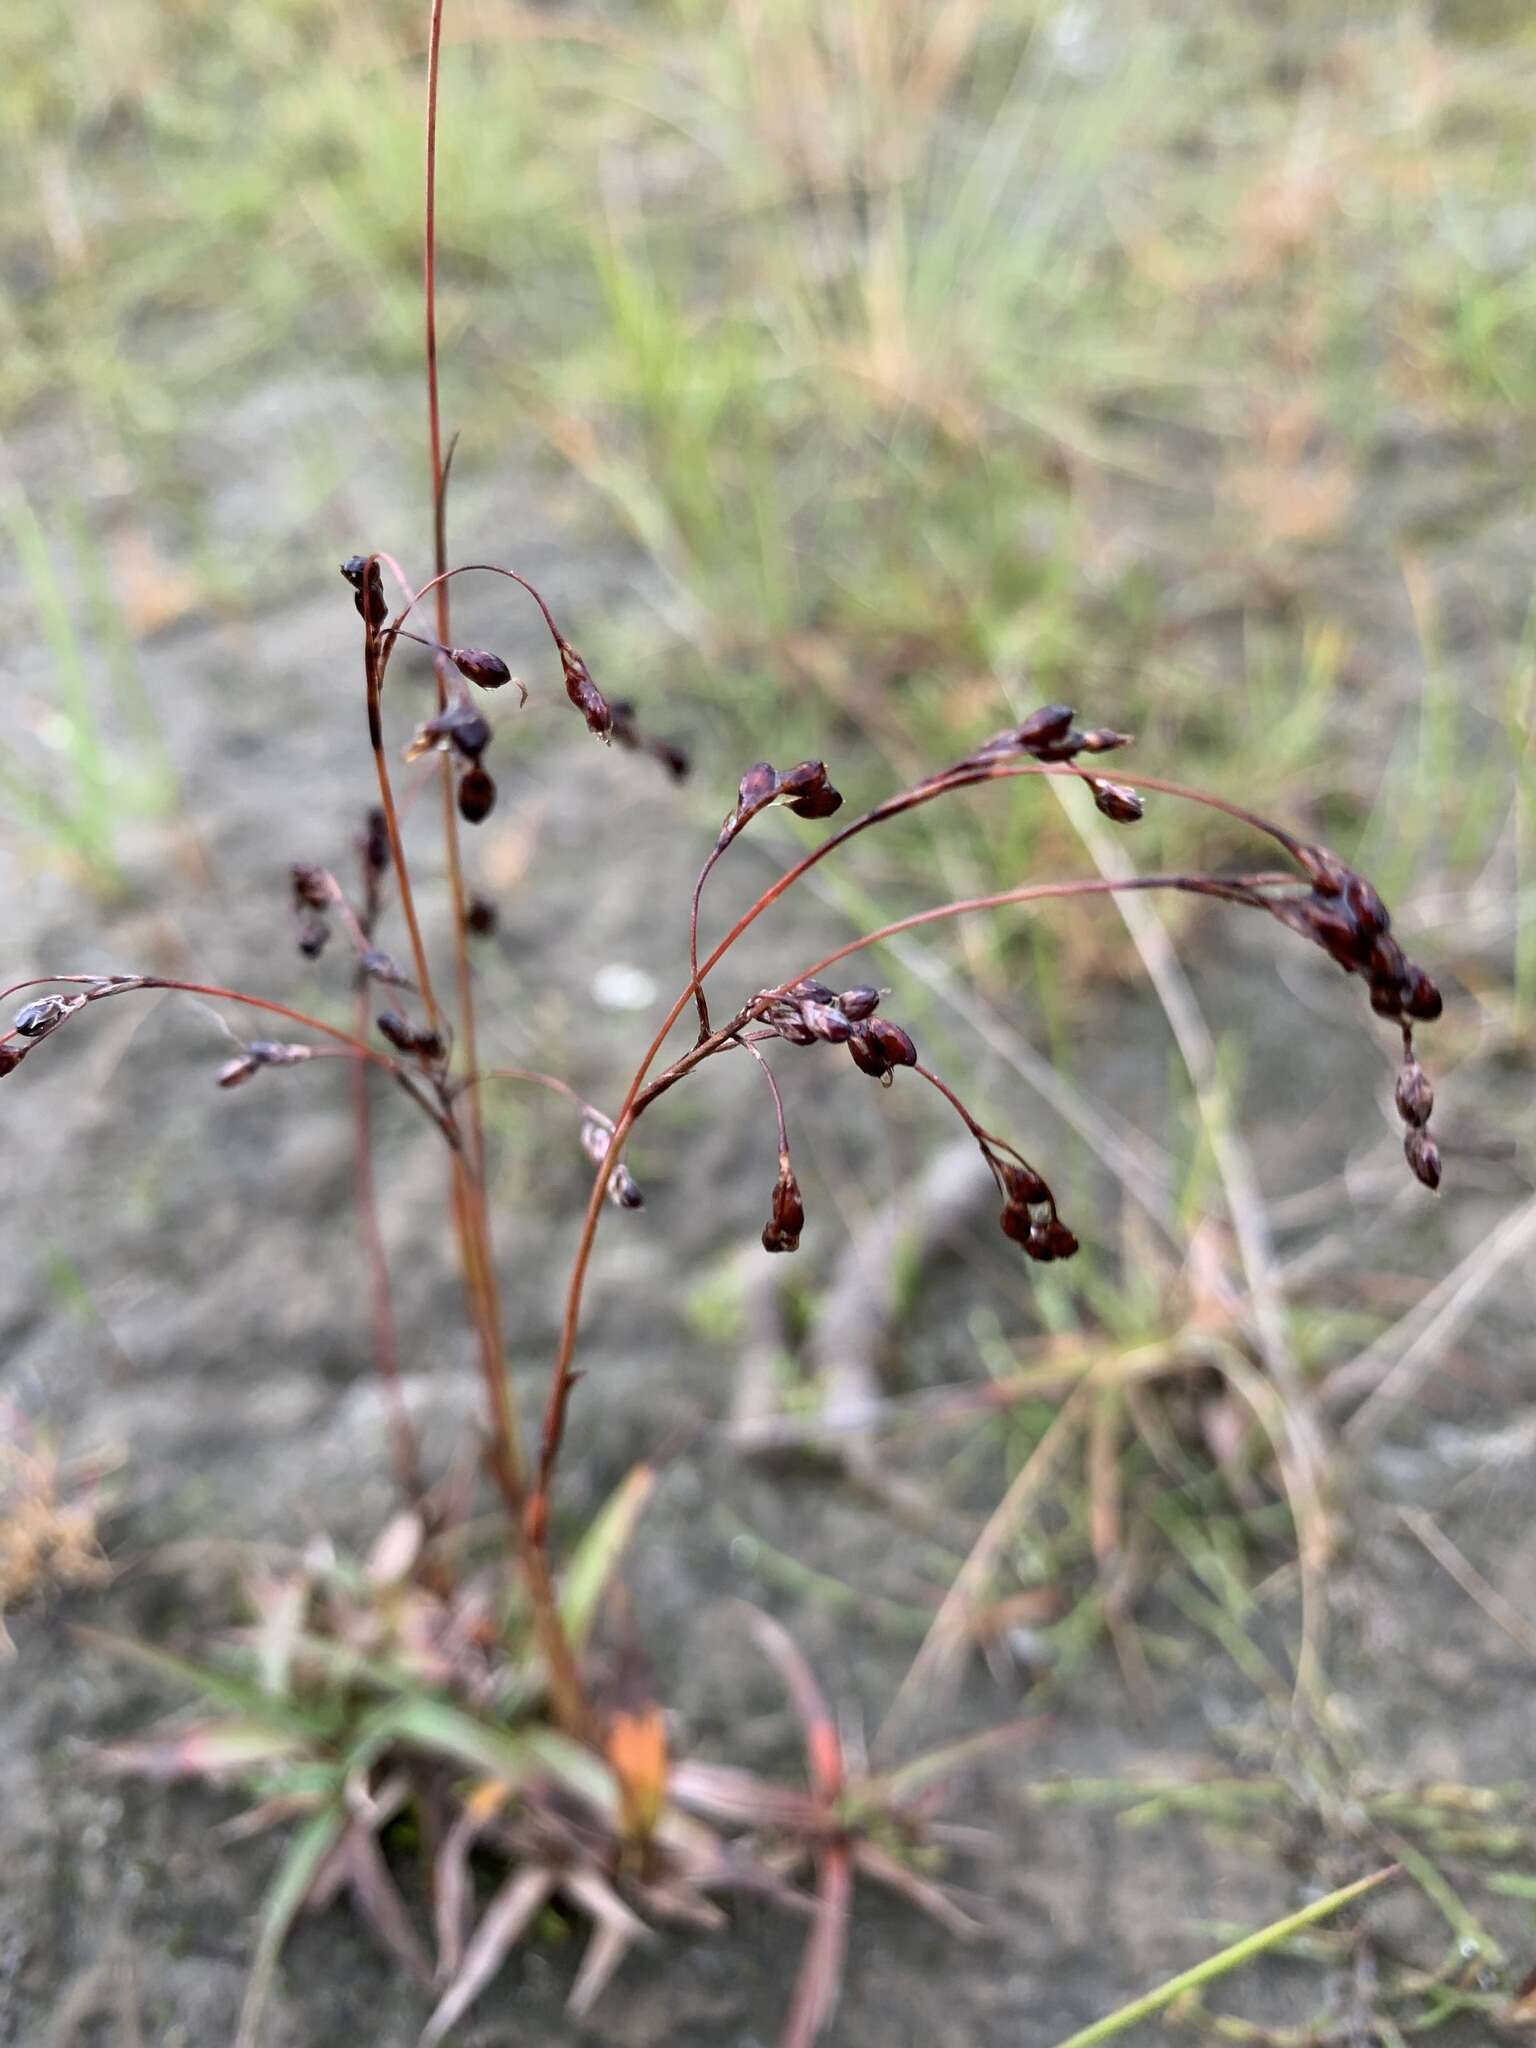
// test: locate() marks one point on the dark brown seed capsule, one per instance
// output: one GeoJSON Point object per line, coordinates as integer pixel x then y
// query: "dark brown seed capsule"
{"type": "Point", "coordinates": [407, 1037]}
{"type": "Point", "coordinates": [234, 1071]}
{"type": "Point", "coordinates": [1024, 1185]}
{"type": "Point", "coordinates": [477, 795]}
{"type": "Point", "coordinates": [758, 786]}
{"type": "Point", "coordinates": [477, 665]}
{"type": "Point", "coordinates": [1014, 1221]}
{"type": "Point", "coordinates": [624, 1189]}
{"type": "Point", "coordinates": [793, 1032]}
{"type": "Point", "coordinates": [826, 1022]}
{"type": "Point", "coordinates": [813, 992]}
{"type": "Point", "coordinates": [1415, 1096]}
{"type": "Point", "coordinates": [311, 886]}
{"type": "Point", "coordinates": [1046, 727]}
{"type": "Point", "coordinates": [807, 791]}
{"type": "Point", "coordinates": [584, 693]}
{"type": "Point", "coordinates": [858, 1003]}
{"type": "Point", "coordinates": [10, 1059]}
{"type": "Point", "coordinates": [480, 916]}
{"type": "Point", "coordinates": [867, 1056]}
{"type": "Point", "coordinates": [1365, 906]}
{"type": "Point", "coordinates": [1421, 999]}
{"type": "Point", "coordinates": [1038, 1244]}
{"type": "Point", "coordinates": [314, 936]}
{"type": "Point", "coordinates": [1062, 1242]}
{"type": "Point", "coordinates": [892, 1041]}
{"type": "Point", "coordinates": [781, 1233]}
{"type": "Point", "coordinates": [1117, 802]}
{"type": "Point", "coordinates": [367, 581]}
{"type": "Point", "coordinates": [1423, 1155]}
{"type": "Point", "coordinates": [375, 842]}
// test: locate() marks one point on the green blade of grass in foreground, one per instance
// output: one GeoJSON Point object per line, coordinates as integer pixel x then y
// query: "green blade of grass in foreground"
{"type": "Point", "coordinates": [1233, 1958]}
{"type": "Point", "coordinates": [284, 1900]}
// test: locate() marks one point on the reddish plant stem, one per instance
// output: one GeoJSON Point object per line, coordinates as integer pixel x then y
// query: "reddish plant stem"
{"type": "Point", "coordinates": [373, 671]}
{"type": "Point", "coordinates": [470, 1209]}
{"type": "Point", "coordinates": [386, 1350]}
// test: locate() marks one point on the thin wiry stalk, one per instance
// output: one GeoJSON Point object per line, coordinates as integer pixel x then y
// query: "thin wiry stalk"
{"type": "Point", "coordinates": [386, 1350]}
{"type": "Point", "coordinates": [470, 1210]}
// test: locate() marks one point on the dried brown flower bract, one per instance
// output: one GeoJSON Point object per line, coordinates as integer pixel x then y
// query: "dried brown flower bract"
{"type": "Point", "coordinates": [261, 1052]}
{"type": "Point", "coordinates": [459, 726]}
{"type": "Point", "coordinates": [1046, 735]}
{"type": "Point", "coordinates": [1414, 1096]}
{"type": "Point", "coordinates": [1423, 1156]}
{"type": "Point", "coordinates": [382, 967]}
{"type": "Point", "coordinates": [1123, 806]}
{"type": "Point", "coordinates": [419, 1040]}
{"type": "Point", "coordinates": [583, 692]}
{"type": "Point", "coordinates": [596, 1137]}
{"type": "Point", "coordinates": [38, 1018]}
{"type": "Point", "coordinates": [367, 581]}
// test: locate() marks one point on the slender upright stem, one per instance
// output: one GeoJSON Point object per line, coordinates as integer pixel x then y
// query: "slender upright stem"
{"type": "Point", "coordinates": [470, 1210]}
{"type": "Point", "coordinates": [386, 1349]}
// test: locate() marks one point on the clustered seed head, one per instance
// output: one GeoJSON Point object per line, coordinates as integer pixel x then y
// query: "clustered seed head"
{"type": "Point", "coordinates": [805, 789]}
{"type": "Point", "coordinates": [419, 1040]}
{"type": "Point", "coordinates": [1048, 735]}
{"type": "Point", "coordinates": [596, 1137]}
{"type": "Point", "coordinates": [811, 1013]}
{"type": "Point", "coordinates": [1029, 1215]}
{"type": "Point", "coordinates": [626, 732]}
{"type": "Point", "coordinates": [464, 733]}
{"type": "Point", "coordinates": [1343, 914]}
{"type": "Point", "coordinates": [480, 916]}
{"type": "Point", "coordinates": [38, 1019]}
{"type": "Point", "coordinates": [259, 1053]}
{"type": "Point", "coordinates": [786, 1218]}
{"type": "Point", "coordinates": [367, 581]}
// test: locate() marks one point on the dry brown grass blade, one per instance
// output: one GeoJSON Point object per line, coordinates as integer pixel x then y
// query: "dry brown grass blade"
{"type": "Point", "coordinates": [1501, 1612]}
{"type": "Point", "coordinates": [614, 1933]}
{"type": "Point", "coordinates": [1397, 1364]}
{"type": "Point", "coordinates": [726, 1793]}
{"type": "Point", "coordinates": [379, 1901]}
{"type": "Point", "coordinates": [937, 1662]}
{"type": "Point", "coordinates": [503, 1924]}
{"type": "Point", "coordinates": [930, 1898]}
{"type": "Point", "coordinates": [451, 1890]}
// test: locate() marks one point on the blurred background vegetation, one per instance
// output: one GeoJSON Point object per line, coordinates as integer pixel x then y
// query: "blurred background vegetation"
{"type": "Point", "coordinates": [914, 358]}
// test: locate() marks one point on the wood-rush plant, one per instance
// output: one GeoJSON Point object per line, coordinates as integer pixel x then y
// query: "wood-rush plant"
{"type": "Point", "coordinates": [413, 1683]}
